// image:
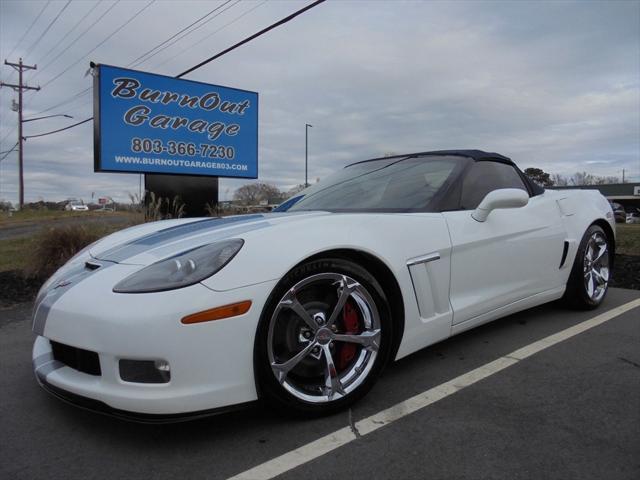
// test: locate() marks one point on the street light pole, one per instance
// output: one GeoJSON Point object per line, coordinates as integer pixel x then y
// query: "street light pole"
{"type": "Point", "coordinates": [306, 154]}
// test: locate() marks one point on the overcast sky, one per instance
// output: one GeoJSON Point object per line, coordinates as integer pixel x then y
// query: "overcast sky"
{"type": "Point", "coordinates": [553, 84]}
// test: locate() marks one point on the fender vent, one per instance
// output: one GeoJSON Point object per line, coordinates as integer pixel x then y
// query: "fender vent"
{"type": "Point", "coordinates": [565, 250]}
{"type": "Point", "coordinates": [92, 266]}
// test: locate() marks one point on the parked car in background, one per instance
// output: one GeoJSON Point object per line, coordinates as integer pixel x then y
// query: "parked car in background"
{"type": "Point", "coordinates": [76, 206]}
{"type": "Point", "coordinates": [618, 212]}
{"type": "Point", "coordinates": [633, 217]}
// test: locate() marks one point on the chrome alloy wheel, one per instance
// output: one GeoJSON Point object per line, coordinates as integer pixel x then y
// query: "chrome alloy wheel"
{"type": "Point", "coordinates": [308, 334]}
{"type": "Point", "coordinates": [596, 266]}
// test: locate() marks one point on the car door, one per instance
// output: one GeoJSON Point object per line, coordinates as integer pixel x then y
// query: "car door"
{"type": "Point", "coordinates": [514, 254]}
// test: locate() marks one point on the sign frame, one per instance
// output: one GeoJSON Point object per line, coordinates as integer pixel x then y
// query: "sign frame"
{"type": "Point", "coordinates": [98, 137]}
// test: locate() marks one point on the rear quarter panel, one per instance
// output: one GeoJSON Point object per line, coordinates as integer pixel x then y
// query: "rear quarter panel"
{"type": "Point", "coordinates": [579, 210]}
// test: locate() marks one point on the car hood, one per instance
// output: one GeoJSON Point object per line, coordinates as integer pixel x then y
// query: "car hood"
{"type": "Point", "coordinates": [151, 242]}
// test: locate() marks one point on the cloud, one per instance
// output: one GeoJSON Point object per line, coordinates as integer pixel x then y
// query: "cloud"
{"type": "Point", "coordinates": [554, 85]}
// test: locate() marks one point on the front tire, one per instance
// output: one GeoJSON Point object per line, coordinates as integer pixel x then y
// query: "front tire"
{"type": "Point", "coordinates": [589, 279]}
{"type": "Point", "coordinates": [323, 338]}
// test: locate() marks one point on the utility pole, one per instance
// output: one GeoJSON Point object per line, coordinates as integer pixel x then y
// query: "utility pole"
{"type": "Point", "coordinates": [623, 175]}
{"type": "Point", "coordinates": [20, 67]}
{"type": "Point", "coordinates": [306, 154]}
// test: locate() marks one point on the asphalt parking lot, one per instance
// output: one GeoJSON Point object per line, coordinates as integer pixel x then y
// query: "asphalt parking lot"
{"type": "Point", "coordinates": [572, 410]}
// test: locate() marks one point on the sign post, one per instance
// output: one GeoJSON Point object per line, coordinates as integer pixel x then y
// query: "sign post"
{"type": "Point", "coordinates": [158, 125]}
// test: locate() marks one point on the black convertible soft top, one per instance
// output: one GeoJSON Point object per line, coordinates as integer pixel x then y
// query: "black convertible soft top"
{"type": "Point", "coordinates": [476, 155]}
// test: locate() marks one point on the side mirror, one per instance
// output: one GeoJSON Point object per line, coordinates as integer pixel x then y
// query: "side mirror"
{"type": "Point", "coordinates": [502, 198]}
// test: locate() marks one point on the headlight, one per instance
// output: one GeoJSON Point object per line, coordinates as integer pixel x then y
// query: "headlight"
{"type": "Point", "coordinates": [182, 270]}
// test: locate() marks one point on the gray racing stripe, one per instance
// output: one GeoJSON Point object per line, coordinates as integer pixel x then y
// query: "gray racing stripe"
{"type": "Point", "coordinates": [122, 252]}
{"type": "Point", "coordinates": [47, 368]}
{"type": "Point", "coordinates": [58, 288]}
{"type": "Point", "coordinates": [40, 360]}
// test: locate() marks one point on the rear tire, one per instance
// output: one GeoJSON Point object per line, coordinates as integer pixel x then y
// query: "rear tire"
{"type": "Point", "coordinates": [589, 279]}
{"type": "Point", "coordinates": [323, 338]}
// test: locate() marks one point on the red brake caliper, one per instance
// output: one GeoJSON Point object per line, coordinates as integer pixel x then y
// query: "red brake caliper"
{"type": "Point", "coordinates": [350, 322]}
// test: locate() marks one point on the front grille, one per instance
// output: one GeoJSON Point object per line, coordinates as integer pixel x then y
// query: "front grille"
{"type": "Point", "coordinates": [77, 358]}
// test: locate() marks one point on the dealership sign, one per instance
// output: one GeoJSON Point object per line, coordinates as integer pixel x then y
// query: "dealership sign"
{"type": "Point", "coordinates": [147, 123]}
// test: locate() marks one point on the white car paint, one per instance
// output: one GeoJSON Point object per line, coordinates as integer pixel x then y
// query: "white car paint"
{"type": "Point", "coordinates": [514, 254]}
{"type": "Point", "coordinates": [453, 272]}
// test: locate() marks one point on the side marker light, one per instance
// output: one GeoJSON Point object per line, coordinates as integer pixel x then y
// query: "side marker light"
{"type": "Point", "coordinates": [218, 313]}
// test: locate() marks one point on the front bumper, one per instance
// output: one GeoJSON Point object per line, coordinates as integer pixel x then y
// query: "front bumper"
{"type": "Point", "coordinates": [211, 363]}
{"type": "Point", "coordinates": [97, 406]}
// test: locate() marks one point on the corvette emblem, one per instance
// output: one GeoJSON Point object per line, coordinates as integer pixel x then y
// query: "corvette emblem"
{"type": "Point", "coordinates": [323, 336]}
{"type": "Point", "coordinates": [63, 283]}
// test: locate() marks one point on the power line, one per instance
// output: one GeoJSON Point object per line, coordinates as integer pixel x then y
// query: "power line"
{"type": "Point", "coordinates": [255, 35]}
{"type": "Point", "coordinates": [55, 19]}
{"type": "Point", "coordinates": [81, 35]}
{"type": "Point", "coordinates": [70, 99]}
{"type": "Point", "coordinates": [210, 59]}
{"type": "Point", "coordinates": [210, 35]}
{"type": "Point", "coordinates": [58, 130]}
{"type": "Point", "coordinates": [7, 152]}
{"type": "Point", "coordinates": [8, 134]}
{"type": "Point", "coordinates": [77, 95]}
{"type": "Point", "coordinates": [101, 43]}
{"type": "Point", "coordinates": [59, 42]}
{"type": "Point", "coordinates": [178, 33]}
{"type": "Point", "coordinates": [24, 35]}
{"type": "Point", "coordinates": [56, 45]}
{"type": "Point", "coordinates": [189, 33]}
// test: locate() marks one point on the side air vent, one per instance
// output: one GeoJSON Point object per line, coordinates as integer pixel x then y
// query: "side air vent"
{"type": "Point", "coordinates": [565, 250]}
{"type": "Point", "coordinates": [92, 265]}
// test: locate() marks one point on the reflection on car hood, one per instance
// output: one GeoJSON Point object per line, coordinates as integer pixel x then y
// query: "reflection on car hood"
{"type": "Point", "coordinates": [148, 243]}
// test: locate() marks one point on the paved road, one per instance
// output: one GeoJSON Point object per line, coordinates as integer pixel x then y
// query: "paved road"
{"type": "Point", "coordinates": [570, 411]}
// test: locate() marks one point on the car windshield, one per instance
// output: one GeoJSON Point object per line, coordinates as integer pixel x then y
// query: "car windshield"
{"type": "Point", "coordinates": [385, 185]}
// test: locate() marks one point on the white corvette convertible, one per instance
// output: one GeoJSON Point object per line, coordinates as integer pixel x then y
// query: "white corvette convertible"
{"type": "Point", "coordinates": [303, 307]}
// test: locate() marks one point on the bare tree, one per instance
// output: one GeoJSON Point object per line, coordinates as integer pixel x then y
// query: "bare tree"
{"type": "Point", "coordinates": [559, 180]}
{"type": "Point", "coordinates": [605, 180]}
{"type": "Point", "coordinates": [584, 178]}
{"type": "Point", "coordinates": [581, 178]}
{"type": "Point", "coordinates": [253, 193]}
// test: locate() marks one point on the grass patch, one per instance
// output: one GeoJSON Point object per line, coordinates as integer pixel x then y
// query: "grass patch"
{"type": "Point", "coordinates": [43, 254]}
{"type": "Point", "coordinates": [55, 246]}
{"type": "Point", "coordinates": [24, 217]}
{"type": "Point", "coordinates": [628, 238]}
{"type": "Point", "coordinates": [15, 254]}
